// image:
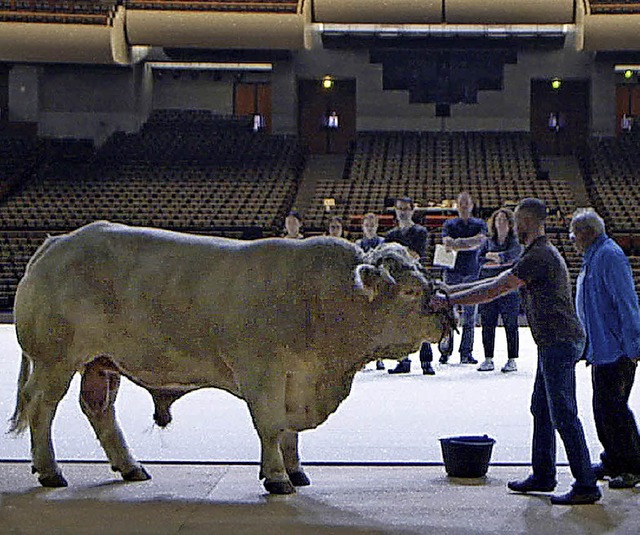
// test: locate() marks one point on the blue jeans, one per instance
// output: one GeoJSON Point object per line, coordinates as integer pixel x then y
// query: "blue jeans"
{"type": "Point", "coordinates": [554, 407]}
{"type": "Point", "coordinates": [507, 306]}
{"type": "Point", "coordinates": [468, 313]}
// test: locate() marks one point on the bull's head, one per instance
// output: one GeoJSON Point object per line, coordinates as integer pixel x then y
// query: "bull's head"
{"type": "Point", "coordinates": [392, 271]}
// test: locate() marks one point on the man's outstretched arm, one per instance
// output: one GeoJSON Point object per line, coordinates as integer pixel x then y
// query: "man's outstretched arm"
{"type": "Point", "coordinates": [481, 292]}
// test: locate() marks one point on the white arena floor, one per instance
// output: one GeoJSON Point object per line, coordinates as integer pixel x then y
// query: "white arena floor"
{"type": "Point", "coordinates": [386, 419]}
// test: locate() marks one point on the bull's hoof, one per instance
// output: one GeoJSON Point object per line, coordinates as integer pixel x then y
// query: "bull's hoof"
{"type": "Point", "coordinates": [279, 487]}
{"type": "Point", "coordinates": [137, 474]}
{"type": "Point", "coordinates": [299, 479]}
{"type": "Point", "coordinates": [54, 481]}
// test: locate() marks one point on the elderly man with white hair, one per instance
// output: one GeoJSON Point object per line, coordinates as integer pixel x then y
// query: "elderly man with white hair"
{"type": "Point", "coordinates": [607, 305]}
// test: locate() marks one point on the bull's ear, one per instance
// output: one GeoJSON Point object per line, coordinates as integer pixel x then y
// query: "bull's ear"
{"type": "Point", "coordinates": [367, 279]}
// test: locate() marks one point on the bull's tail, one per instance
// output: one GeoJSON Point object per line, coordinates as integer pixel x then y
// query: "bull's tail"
{"type": "Point", "coordinates": [20, 419]}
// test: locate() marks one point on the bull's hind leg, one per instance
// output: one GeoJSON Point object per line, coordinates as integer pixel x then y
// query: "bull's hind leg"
{"type": "Point", "coordinates": [43, 392]}
{"type": "Point", "coordinates": [289, 447]}
{"type": "Point", "coordinates": [100, 384]}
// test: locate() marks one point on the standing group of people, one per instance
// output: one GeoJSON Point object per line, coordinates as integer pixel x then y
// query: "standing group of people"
{"type": "Point", "coordinates": [512, 259]}
{"type": "Point", "coordinates": [602, 326]}
{"type": "Point", "coordinates": [480, 253]}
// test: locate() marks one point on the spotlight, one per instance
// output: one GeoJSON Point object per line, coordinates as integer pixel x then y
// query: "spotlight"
{"type": "Point", "coordinates": [327, 82]}
{"type": "Point", "coordinates": [556, 83]}
{"type": "Point", "coordinates": [628, 74]}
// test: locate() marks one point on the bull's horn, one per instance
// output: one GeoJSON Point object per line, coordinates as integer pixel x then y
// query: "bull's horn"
{"type": "Point", "coordinates": [384, 272]}
{"type": "Point", "coordinates": [357, 276]}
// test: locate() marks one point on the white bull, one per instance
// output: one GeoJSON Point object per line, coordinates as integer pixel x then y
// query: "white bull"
{"type": "Point", "coordinates": [281, 324]}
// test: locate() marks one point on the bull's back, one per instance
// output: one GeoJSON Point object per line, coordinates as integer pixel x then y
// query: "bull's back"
{"type": "Point", "coordinates": [157, 294]}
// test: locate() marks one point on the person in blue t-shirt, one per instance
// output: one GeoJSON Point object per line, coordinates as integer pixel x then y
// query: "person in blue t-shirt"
{"type": "Point", "coordinates": [464, 234]}
{"type": "Point", "coordinates": [414, 237]}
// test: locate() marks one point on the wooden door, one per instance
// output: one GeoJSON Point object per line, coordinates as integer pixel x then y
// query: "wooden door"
{"type": "Point", "coordinates": [327, 116]}
{"type": "Point", "coordinates": [559, 118]}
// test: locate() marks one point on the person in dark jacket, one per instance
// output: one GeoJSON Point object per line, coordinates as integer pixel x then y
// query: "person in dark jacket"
{"type": "Point", "coordinates": [370, 239]}
{"type": "Point", "coordinates": [414, 237]}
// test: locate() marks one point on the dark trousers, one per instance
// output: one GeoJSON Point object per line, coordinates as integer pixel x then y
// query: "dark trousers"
{"type": "Point", "coordinates": [554, 407]}
{"type": "Point", "coordinates": [426, 355]}
{"type": "Point", "coordinates": [615, 424]}
{"type": "Point", "coordinates": [507, 306]}
{"type": "Point", "coordinates": [468, 314]}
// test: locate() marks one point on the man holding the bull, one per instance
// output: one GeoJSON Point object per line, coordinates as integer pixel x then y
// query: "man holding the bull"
{"type": "Point", "coordinates": [542, 276]}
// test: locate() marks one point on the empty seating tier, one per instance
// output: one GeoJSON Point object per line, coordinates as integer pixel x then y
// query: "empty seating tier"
{"type": "Point", "coordinates": [188, 171]}
{"type": "Point", "coordinates": [78, 12]}
{"type": "Point", "coordinates": [256, 6]}
{"type": "Point", "coordinates": [611, 168]}
{"type": "Point", "coordinates": [433, 168]}
{"type": "Point", "coordinates": [614, 7]}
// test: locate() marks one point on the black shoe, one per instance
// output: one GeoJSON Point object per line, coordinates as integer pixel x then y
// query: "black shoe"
{"type": "Point", "coordinates": [531, 484]}
{"type": "Point", "coordinates": [601, 471]}
{"type": "Point", "coordinates": [444, 359]}
{"type": "Point", "coordinates": [379, 365]}
{"type": "Point", "coordinates": [625, 480]}
{"type": "Point", "coordinates": [467, 359]}
{"type": "Point", "coordinates": [403, 366]}
{"type": "Point", "coordinates": [427, 369]}
{"type": "Point", "coordinates": [577, 498]}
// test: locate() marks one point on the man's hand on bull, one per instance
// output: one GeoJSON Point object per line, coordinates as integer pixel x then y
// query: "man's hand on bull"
{"type": "Point", "coordinates": [443, 287]}
{"type": "Point", "coordinates": [439, 301]}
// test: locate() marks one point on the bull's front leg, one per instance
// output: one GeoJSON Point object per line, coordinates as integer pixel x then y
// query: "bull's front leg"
{"type": "Point", "coordinates": [289, 447]}
{"type": "Point", "coordinates": [266, 401]}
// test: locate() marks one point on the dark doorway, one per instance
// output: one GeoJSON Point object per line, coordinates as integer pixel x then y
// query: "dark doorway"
{"type": "Point", "coordinates": [559, 115]}
{"type": "Point", "coordinates": [327, 115]}
{"type": "Point", "coordinates": [627, 108]}
{"type": "Point", "coordinates": [253, 99]}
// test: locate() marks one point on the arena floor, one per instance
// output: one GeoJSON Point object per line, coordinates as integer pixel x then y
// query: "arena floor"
{"type": "Point", "coordinates": [375, 465]}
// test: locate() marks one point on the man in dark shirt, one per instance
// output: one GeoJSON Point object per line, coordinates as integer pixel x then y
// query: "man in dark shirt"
{"type": "Point", "coordinates": [542, 276]}
{"type": "Point", "coordinates": [414, 237]}
{"type": "Point", "coordinates": [464, 234]}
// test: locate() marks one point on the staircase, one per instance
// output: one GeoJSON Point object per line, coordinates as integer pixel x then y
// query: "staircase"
{"type": "Point", "coordinates": [319, 167]}
{"type": "Point", "coordinates": [567, 168]}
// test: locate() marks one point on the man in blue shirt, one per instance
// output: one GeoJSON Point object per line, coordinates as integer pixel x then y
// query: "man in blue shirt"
{"type": "Point", "coordinates": [464, 234]}
{"type": "Point", "coordinates": [607, 305]}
